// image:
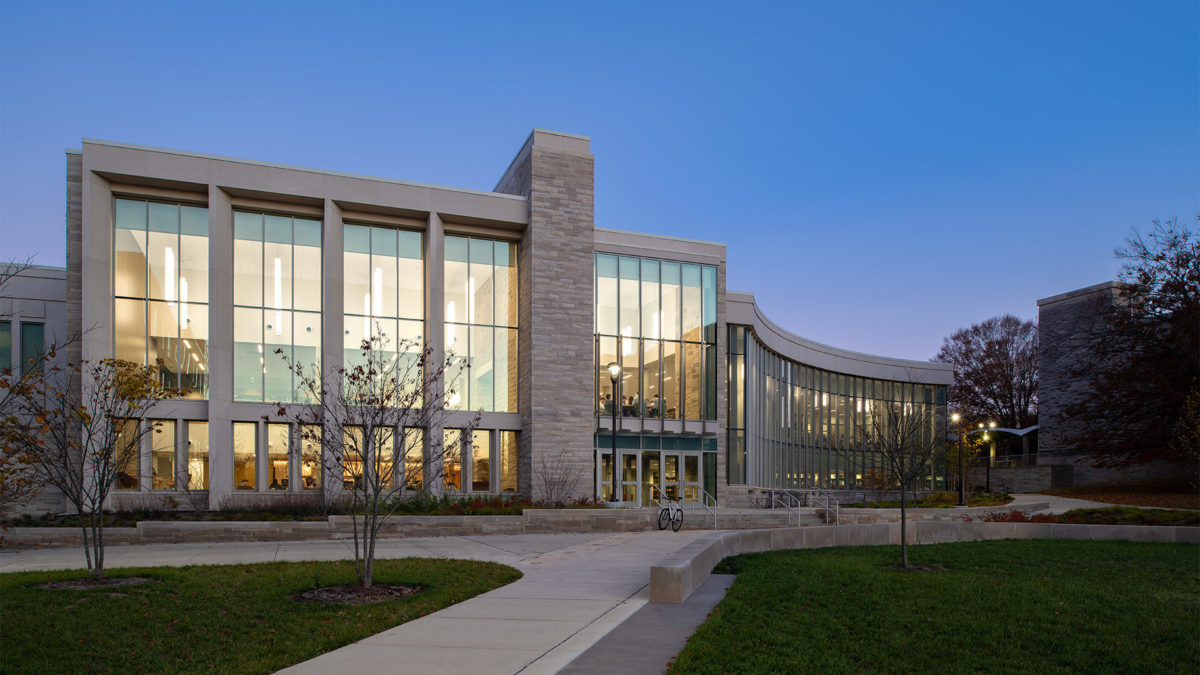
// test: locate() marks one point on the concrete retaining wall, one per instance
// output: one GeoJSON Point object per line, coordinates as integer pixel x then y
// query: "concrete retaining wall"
{"type": "Point", "coordinates": [675, 578]}
{"type": "Point", "coordinates": [341, 527]}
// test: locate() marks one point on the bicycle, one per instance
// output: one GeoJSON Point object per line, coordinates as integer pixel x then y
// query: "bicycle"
{"type": "Point", "coordinates": [671, 513]}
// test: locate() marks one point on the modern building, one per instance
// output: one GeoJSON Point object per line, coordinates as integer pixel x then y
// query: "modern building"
{"type": "Point", "coordinates": [33, 317]}
{"type": "Point", "coordinates": [212, 264]}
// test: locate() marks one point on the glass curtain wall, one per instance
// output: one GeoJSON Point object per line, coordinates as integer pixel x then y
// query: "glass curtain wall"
{"type": "Point", "coordinates": [481, 323]}
{"type": "Point", "coordinates": [794, 426]}
{"type": "Point", "coordinates": [658, 320]}
{"type": "Point", "coordinates": [277, 303]}
{"type": "Point", "coordinates": [160, 308]}
{"type": "Point", "coordinates": [384, 290]}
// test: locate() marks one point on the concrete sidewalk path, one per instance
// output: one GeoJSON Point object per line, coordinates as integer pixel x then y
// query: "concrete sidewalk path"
{"type": "Point", "coordinates": [1057, 504]}
{"type": "Point", "coordinates": [568, 599]}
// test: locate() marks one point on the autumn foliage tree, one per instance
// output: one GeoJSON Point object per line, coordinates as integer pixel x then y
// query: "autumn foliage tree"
{"type": "Point", "coordinates": [83, 429]}
{"type": "Point", "coordinates": [995, 371]}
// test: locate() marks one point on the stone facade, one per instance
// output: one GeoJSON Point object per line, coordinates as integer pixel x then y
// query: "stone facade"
{"type": "Point", "coordinates": [556, 294]}
{"type": "Point", "coordinates": [1065, 322]}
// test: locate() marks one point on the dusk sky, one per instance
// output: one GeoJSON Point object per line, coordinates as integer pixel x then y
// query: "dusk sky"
{"type": "Point", "coordinates": [883, 173]}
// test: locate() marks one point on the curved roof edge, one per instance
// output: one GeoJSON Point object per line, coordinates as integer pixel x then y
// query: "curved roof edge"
{"type": "Point", "coordinates": [740, 308]}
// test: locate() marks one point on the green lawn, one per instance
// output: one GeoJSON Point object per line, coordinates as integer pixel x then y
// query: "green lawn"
{"type": "Point", "coordinates": [1003, 606]}
{"type": "Point", "coordinates": [219, 618]}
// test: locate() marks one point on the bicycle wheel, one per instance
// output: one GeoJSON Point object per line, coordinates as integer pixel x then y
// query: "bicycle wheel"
{"type": "Point", "coordinates": [663, 519]}
{"type": "Point", "coordinates": [677, 520]}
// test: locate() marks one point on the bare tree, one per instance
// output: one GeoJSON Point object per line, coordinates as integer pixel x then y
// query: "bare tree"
{"type": "Point", "coordinates": [995, 371]}
{"type": "Point", "coordinates": [903, 435]}
{"type": "Point", "coordinates": [370, 418]}
{"type": "Point", "coordinates": [558, 479]}
{"type": "Point", "coordinates": [85, 432]}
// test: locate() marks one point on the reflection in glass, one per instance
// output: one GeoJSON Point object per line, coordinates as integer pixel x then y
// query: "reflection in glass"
{"type": "Point", "coordinates": [481, 460]}
{"type": "Point", "coordinates": [128, 456]}
{"type": "Point", "coordinates": [414, 458]}
{"type": "Point", "coordinates": [452, 458]}
{"type": "Point", "coordinates": [197, 456]}
{"type": "Point", "coordinates": [311, 458]}
{"type": "Point", "coordinates": [277, 456]}
{"type": "Point", "coordinates": [245, 455]}
{"type": "Point", "coordinates": [162, 455]}
{"type": "Point", "coordinates": [508, 461]}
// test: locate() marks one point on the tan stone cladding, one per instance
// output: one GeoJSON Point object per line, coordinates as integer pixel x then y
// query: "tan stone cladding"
{"type": "Point", "coordinates": [556, 293]}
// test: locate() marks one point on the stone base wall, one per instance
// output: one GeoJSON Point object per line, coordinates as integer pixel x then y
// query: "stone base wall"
{"type": "Point", "coordinates": [674, 579]}
{"type": "Point", "coordinates": [1023, 479]}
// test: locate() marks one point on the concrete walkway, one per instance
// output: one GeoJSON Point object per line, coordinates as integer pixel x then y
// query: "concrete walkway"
{"type": "Point", "coordinates": [1057, 504]}
{"type": "Point", "coordinates": [576, 589]}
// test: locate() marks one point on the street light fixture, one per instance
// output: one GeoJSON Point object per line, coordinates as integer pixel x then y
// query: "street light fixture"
{"type": "Point", "coordinates": [614, 372]}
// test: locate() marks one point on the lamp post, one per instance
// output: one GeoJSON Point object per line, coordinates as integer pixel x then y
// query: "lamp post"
{"type": "Point", "coordinates": [960, 452]}
{"type": "Point", "coordinates": [991, 456]}
{"type": "Point", "coordinates": [614, 372]}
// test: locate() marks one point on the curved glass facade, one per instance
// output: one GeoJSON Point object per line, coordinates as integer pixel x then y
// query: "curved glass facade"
{"type": "Point", "coordinates": [795, 426]}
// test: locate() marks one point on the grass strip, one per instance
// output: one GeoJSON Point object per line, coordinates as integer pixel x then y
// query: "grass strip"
{"type": "Point", "coordinates": [222, 618]}
{"type": "Point", "coordinates": [1046, 606]}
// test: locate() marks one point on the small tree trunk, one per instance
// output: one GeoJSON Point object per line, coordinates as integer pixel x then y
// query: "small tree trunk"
{"type": "Point", "coordinates": [903, 528]}
{"type": "Point", "coordinates": [87, 550]}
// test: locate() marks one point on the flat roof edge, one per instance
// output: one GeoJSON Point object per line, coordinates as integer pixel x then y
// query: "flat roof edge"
{"type": "Point", "coordinates": [660, 236]}
{"type": "Point", "coordinates": [291, 167]}
{"type": "Point", "coordinates": [1078, 292]}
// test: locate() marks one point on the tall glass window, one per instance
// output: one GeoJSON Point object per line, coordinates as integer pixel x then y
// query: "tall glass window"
{"type": "Point", "coordinates": [508, 461]}
{"type": "Point", "coordinates": [452, 458]}
{"type": "Point", "coordinates": [481, 323]}
{"type": "Point", "coordinates": [5, 345]}
{"type": "Point", "coordinates": [160, 266]}
{"type": "Point", "coordinates": [658, 320]}
{"type": "Point", "coordinates": [33, 346]}
{"type": "Point", "coordinates": [129, 473]}
{"type": "Point", "coordinates": [384, 290]}
{"type": "Point", "coordinates": [197, 455]}
{"type": "Point", "coordinates": [481, 460]}
{"type": "Point", "coordinates": [277, 303]}
{"type": "Point", "coordinates": [162, 455]}
{"type": "Point", "coordinates": [277, 456]}
{"type": "Point", "coordinates": [245, 455]}
{"type": "Point", "coordinates": [311, 458]}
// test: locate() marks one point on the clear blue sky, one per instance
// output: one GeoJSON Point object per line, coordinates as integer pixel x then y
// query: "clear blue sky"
{"type": "Point", "coordinates": [882, 172]}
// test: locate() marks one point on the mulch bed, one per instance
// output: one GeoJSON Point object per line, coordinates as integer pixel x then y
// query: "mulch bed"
{"type": "Point", "coordinates": [89, 584]}
{"type": "Point", "coordinates": [353, 594]}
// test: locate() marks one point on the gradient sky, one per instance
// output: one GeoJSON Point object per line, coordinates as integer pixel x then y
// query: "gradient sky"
{"type": "Point", "coordinates": [883, 173]}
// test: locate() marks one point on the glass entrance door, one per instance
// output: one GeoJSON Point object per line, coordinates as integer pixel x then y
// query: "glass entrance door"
{"type": "Point", "coordinates": [671, 482]}
{"type": "Point", "coordinates": [629, 477]}
{"type": "Point", "coordinates": [651, 476]}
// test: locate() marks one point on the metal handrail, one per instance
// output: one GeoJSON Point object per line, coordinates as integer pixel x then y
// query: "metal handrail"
{"type": "Point", "coordinates": [656, 502]}
{"type": "Point", "coordinates": [700, 502]}
{"type": "Point", "coordinates": [831, 504]}
{"type": "Point", "coordinates": [774, 498]}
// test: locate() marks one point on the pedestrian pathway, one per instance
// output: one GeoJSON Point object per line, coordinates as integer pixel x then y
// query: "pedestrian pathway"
{"type": "Point", "coordinates": [1057, 504]}
{"type": "Point", "coordinates": [650, 639]}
